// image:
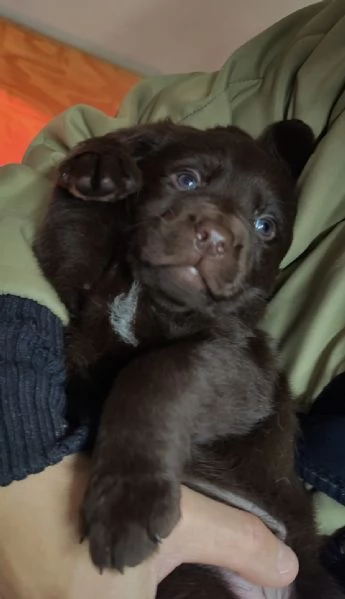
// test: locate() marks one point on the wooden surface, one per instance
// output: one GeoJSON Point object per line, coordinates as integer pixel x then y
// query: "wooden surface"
{"type": "Point", "coordinates": [39, 78]}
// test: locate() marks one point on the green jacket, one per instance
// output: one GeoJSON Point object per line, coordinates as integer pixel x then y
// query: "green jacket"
{"type": "Point", "coordinates": [294, 69]}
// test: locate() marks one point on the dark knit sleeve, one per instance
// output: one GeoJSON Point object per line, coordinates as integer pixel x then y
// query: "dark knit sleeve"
{"type": "Point", "coordinates": [34, 432]}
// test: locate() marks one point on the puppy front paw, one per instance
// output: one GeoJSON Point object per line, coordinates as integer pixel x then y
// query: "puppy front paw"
{"type": "Point", "coordinates": [98, 170]}
{"type": "Point", "coordinates": [125, 518]}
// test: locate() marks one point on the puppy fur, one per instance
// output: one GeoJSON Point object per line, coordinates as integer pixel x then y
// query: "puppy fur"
{"type": "Point", "coordinates": [164, 243]}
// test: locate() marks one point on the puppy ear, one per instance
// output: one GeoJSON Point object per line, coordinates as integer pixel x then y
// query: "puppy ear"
{"type": "Point", "coordinates": [292, 142]}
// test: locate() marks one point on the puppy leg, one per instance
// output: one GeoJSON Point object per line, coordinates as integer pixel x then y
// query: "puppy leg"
{"type": "Point", "coordinates": [160, 402]}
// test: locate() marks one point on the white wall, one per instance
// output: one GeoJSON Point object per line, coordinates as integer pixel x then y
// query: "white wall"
{"type": "Point", "coordinates": [153, 35]}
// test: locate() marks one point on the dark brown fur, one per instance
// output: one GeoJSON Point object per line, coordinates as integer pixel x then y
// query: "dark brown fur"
{"type": "Point", "coordinates": [197, 394]}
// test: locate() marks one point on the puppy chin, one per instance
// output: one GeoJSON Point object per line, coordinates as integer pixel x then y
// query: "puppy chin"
{"type": "Point", "coordinates": [180, 287]}
{"type": "Point", "coordinates": [185, 277]}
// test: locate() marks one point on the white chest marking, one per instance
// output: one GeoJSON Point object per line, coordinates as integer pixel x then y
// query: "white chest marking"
{"type": "Point", "coordinates": [123, 311]}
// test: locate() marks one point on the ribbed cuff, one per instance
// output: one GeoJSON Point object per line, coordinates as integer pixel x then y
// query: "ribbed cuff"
{"type": "Point", "coordinates": [34, 432]}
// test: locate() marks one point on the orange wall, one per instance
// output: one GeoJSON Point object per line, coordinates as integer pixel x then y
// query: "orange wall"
{"type": "Point", "coordinates": [40, 78]}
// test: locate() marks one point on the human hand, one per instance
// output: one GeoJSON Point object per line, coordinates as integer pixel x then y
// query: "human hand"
{"type": "Point", "coordinates": [41, 557]}
{"type": "Point", "coordinates": [215, 534]}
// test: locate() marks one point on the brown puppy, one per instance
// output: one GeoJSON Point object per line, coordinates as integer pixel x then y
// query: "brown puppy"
{"type": "Point", "coordinates": [164, 243]}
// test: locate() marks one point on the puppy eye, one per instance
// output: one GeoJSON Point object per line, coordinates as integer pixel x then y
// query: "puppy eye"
{"type": "Point", "coordinates": [186, 180]}
{"type": "Point", "coordinates": [265, 227]}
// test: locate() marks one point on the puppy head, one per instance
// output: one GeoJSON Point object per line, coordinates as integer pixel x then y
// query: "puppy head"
{"type": "Point", "coordinates": [216, 211]}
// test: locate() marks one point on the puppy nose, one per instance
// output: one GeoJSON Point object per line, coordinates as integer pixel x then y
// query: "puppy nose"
{"type": "Point", "coordinates": [212, 239]}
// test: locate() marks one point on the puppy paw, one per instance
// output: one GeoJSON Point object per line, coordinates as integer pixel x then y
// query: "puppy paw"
{"type": "Point", "coordinates": [125, 518]}
{"type": "Point", "coordinates": [98, 170]}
